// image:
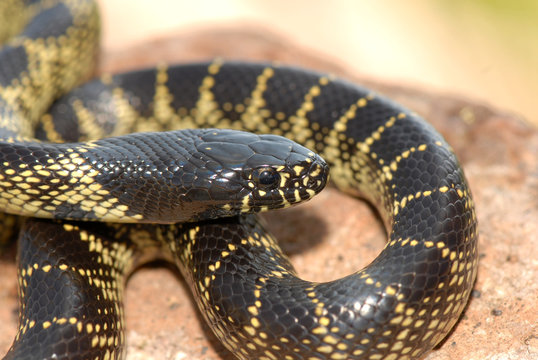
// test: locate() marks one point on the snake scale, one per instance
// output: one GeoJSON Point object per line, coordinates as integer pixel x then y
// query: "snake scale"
{"type": "Point", "coordinates": [71, 272]}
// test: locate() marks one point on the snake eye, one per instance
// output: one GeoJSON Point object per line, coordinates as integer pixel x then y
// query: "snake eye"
{"type": "Point", "coordinates": [267, 177]}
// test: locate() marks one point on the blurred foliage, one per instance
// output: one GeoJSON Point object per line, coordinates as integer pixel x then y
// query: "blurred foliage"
{"type": "Point", "coordinates": [512, 24]}
{"type": "Point", "coordinates": [507, 31]}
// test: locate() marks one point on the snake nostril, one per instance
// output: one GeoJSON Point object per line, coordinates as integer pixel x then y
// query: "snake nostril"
{"type": "Point", "coordinates": [312, 182]}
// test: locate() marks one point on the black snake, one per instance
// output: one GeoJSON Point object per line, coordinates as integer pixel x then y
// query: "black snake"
{"type": "Point", "coordinates": [71, 273]}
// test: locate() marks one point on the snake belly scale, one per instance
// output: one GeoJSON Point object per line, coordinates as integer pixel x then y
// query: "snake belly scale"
{"type": "Point", "coordinates": [71, 272]}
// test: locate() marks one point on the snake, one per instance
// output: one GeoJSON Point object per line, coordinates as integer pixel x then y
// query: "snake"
{"type": "Point", "coordinates": [105, 174]}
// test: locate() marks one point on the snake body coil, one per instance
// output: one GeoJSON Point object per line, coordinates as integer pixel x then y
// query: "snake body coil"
{"type": "Point", "coordinates": [71, 273]}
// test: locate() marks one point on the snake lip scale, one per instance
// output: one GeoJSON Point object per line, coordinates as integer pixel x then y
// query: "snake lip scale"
{"type": "Point", "coordinates": [173, 161]}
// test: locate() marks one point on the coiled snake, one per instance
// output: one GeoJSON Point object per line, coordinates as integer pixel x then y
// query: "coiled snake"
{"type": "Point", "coordinates": [71, 273]}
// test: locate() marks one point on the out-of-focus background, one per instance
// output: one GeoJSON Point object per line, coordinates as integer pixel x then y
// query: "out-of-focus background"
{"type": "Point", "coordinates": [483, 49]}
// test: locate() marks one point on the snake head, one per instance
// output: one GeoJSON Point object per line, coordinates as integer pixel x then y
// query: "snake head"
{"type": "Point", "coordinates": [251, 173]}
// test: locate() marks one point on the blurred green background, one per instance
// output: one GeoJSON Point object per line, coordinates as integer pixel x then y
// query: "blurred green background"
{"type": "Point", "coordinates": [486, 50]}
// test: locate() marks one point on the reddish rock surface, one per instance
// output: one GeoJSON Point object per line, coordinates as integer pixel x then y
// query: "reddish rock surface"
{"type": "Point", "coordinates": [334, 235]}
